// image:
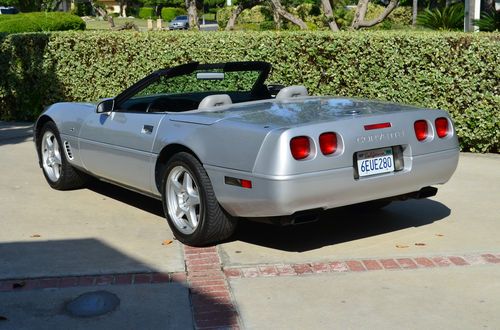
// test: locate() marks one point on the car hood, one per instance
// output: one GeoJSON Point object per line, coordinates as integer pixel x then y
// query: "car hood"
{"type": "Point", "coordinates": [274, 113]}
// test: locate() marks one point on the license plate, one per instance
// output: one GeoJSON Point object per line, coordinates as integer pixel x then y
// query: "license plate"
{"type": "Point", "coordinates": [375, 161]}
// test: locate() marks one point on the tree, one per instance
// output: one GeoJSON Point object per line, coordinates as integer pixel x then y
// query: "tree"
{"type": "Point", "coordinates": [278, 10]}
{"type": "Point", "coordinates": [192, 9]}
{"type": "Point", "coordinates": [359, 16]}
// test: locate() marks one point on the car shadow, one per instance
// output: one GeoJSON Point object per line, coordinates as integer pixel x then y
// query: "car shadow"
{"type": "Point", "coordinates": [342, 225]}
{"type": "Point", "coordinates": [15, 132]}
{"type": "Point", "coordinates": [335, 226]}
{"type": "Point", "coordinates": [140, 201]}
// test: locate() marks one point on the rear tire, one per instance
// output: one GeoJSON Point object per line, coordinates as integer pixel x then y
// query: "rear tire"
{"type": "Point", "coordinates": [57, 170]}
{"type": "Point", "coordinates": [190, 205]}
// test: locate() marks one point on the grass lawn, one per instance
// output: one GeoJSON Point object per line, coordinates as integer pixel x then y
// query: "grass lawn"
{"type": "Point", "coordinates": [96, 24]}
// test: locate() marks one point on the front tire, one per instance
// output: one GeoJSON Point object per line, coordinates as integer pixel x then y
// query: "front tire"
{"type": "Point", "coordinates": [190, 205]}
{"type": "Point", "coordinates": [57, 170]}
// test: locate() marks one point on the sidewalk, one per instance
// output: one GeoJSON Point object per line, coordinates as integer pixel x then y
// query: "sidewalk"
{"type": "Point", "coordinates": [431, 263]}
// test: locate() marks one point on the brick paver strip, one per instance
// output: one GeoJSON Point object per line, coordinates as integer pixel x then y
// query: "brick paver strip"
{"type": "Point", "coordinates": [212, 304]}
{"type": "Point", "coordinates": [210, 291]}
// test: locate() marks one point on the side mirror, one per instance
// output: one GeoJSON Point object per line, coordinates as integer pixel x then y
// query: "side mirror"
{"type": "Point", "coordinates": [105, 106]}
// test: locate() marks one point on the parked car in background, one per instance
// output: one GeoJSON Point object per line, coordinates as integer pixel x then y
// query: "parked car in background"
{"type": "Point", "coordinates": [179, 23]}
{"type": "Point", "coordinates": [8, 10]}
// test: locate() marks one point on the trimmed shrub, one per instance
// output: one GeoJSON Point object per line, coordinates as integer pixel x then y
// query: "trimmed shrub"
{"type": "Point", "coordinates": [456, 72]}
{"type": "Point", "coordinates": [169, 13]}
{"type": "Point", "coordinates": [146, 12]}
{"type": "Point", "coordinates": [40, 21]}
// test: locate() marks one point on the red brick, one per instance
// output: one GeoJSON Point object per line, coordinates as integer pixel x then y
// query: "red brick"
{"type": "Point", "coordinates": [201, 283]}
{"type": "Point", "coordinates": [389, 263]}
{"type": "Point", "coordinates": [211, 298]}
{"type": "Point", "coordinates": [105, 280]}
{"type": "Point", "coordinates": [68, 282]}
{"type": "Point", "coordinates": [268, 271]}
{"type": "Point", "coordinates": [142, 278]}
{"type": "Point", "coordinates": [302, 269]}
{"type": "Point", "coordinates": [233, 272]}
{"type": "Point", "coordinates": [197, 256]}
{"type": "Point", "coordinates": [285, 270]}
{"type": "Point", "coordinates": [424, 262]}
{"type": "Point", "coordinates": [320, 267]}
{"type": "Point", "coordinates": [222, 315]}
{"type": "Point", "coordinates": [441, 261]}
{"type": "Point", "coordinates": [208, 275]}
{"type": "Point", "coordinates": [355, 266]}
{"type": "Point", "coordinates": [407, 263]}
{"type": "Point", "coordinates": [207, 289]}
{"type": "Point", "coordinates": [458, 261]}
{"type": "Point", "coordinates": [372, 265]}
{"type": "Point", "coordinates": [203, 261]}
{"type": "Point", "coordinates": [124, 279]}
{"type": "Point", "coordinates": [86, 281]}
{"type": "Point", "coordinates": [160, 278]}
{"type": "Point", "coordinates": [208, 267]}
{"type": "Point", "coordinates": [5, 286]}
{"type": "Point", "coordinates": [178, 277]}
{"type": "Point", "coordinates": [48, 283]}
{"type": "Point", "coordinates": [216, 324]}
{"type": "Point", "coordinates": [491, 258]}
{"type": "Point", "coordinates": [25, 285]}
{"type": "Point", "coordinates": [250, 272]}
{"type": "Point", "coordinates": [338, 267]}
{"type": "Point", "coordinates": [211, 308]}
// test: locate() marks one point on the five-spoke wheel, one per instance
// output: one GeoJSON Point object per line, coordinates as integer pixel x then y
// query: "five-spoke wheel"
{"type": "Point", "coordinates": [190, 205]}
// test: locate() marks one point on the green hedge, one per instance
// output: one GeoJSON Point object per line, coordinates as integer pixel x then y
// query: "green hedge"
{"type": "Point", "coordinates": [169, 13]}
{"type": "Point", "coordinates": [454, 71]}
{"type": "Point", "coordinates": [40, 21]}
{"type": "Point", "coordinates": [146, 12]}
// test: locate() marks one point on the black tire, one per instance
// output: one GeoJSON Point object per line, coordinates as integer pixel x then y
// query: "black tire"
{"type": "Point", "coordinates": [69, 177]}
{"type": "Point", "coordinates": [213, 224]}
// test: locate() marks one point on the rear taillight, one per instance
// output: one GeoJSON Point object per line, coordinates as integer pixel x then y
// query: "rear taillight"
{"type": "Point", "coordinates": [300, 147]}
{"type": "Point", "coordinates": [442, 127]}
{"type": "Point", "coordinates": [421, 129]}
{"type": "Point", "coordinates": [328, 143]}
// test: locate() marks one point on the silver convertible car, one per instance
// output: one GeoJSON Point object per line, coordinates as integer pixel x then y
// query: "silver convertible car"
{"type": "Point", "coordinates": [215, 144]}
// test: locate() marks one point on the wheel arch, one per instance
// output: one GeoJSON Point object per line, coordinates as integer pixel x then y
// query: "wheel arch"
{"type": "Point", "coordinates": [165, 154]}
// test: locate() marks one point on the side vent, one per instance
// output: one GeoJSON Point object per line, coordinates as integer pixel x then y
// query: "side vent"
{"type": "Point", "coordinates": [67, 147]}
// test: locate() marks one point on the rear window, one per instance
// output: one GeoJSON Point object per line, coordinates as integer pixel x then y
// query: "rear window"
{"type": "Point", "coordinates": [238, 81]}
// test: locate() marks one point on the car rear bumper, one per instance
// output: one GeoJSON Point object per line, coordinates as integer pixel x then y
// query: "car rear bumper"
{"type": "Point", "coordinates": [286, 195]}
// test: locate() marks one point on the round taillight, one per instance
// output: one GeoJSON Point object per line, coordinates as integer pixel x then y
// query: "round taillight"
{"type": "Point", "coordinates": [328, 143]}
{"type": "Point", "coordinates": [300, 147]}
{"type": "Point", "coordinates": [441, 127]}
{"type": "Point", "coordinates": [421, 129]}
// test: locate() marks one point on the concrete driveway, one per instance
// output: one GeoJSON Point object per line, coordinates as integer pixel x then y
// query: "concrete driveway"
{"type": "Point", "coordinates": [415, 264]}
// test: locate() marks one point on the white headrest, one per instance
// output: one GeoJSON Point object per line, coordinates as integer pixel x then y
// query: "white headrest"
{"type": "Point", "coordinates": [292, 91]}
{"type": "Point", "coordinates": [215, 101]}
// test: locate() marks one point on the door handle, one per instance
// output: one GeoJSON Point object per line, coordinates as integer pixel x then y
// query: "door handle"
{"type": "Point", "coordinates": [147, 129]}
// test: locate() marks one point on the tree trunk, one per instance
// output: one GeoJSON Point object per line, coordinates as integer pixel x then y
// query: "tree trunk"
{"type": "Point", "coordinates": [101, 12]}
{"type": "Point", "coordinates": [234, 15]}
{"type": "Point", "coordinates": [277, 20]}
{"type": "Point", "coordinates": [359, 15]}
{"type": "Point", "coordinates": [359, 20]}
{"type": "Point", "coordinates": [414, 13]}
{"type": "Point", "coordinates": [327, 8]}
{"type": "Point", "coordinates": [192, 14]}
{"type": "Point", "coordinates": [277, 7]}
{"type": "Point", "coordinates": [111, 22]}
